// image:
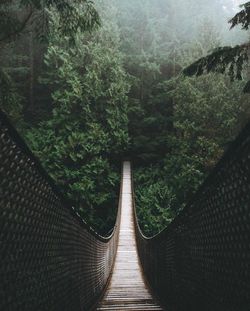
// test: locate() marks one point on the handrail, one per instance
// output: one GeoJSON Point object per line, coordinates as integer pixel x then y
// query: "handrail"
{"type": "Point", "coordinates": [50, 258]}
{"type": "Point", "coordinates": [201, 261]}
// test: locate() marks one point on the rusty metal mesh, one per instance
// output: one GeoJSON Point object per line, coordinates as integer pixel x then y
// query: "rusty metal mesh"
{"type": "Point", "coordinates": [50, 259]}
{"type": "Point", "coordinates": [202, 260]}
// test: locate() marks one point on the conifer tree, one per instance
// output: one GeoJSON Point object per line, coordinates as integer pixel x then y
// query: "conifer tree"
{"type": "Point", "coordinates": [17, 15]}
{"type": "Point", "coordinates": [87, 132]}
{"type": "Point", "coordinates": [227, 59]}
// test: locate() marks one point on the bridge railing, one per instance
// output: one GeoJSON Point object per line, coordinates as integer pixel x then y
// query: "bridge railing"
{"type": "Point", "coordinates": [201, 261]}
{"type": "Point", "coordinates": [50, 259]}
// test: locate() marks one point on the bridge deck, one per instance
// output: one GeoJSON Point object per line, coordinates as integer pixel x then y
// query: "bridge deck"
{"type": "Point", "coordinates": [127, 289]}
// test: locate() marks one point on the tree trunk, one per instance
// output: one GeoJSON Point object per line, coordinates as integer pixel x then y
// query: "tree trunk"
{"type": "Point", "coordinates": [32, 72]}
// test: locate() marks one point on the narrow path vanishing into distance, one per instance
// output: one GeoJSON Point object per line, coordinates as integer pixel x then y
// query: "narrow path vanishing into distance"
{"type": "Point", "coordinates": [127, 289]}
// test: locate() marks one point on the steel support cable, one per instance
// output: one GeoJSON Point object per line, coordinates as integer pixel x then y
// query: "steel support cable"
{"type": "Point", "coordinates": [201, 261]}
{"type": "Point", "coordinates": [50, 259]}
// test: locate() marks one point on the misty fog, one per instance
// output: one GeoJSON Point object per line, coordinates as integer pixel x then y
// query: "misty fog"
{"type": "Point", "coordinates": [169, 24]}
{"type": "Point", "coordinates": [85, 98]}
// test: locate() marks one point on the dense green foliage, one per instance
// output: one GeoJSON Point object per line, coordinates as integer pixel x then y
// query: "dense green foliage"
{"type": "Point", "coordinates": [88, 126]}
{"type": "Point", "coordinates": [179, 127]}
{"type": "Point", "coordinates": [85, 100]}
{"type": "Point", "coordinates": [18, 15]}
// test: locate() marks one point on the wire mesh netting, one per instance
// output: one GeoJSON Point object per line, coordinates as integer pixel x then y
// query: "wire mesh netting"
{"type": "Point", "coordinates": [202, 260]}
{"type": "Point", "coordinates": [50, 259]}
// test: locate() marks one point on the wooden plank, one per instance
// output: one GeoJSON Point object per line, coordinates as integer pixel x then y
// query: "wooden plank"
{"type": "Point", "coordinates": [127, 289]}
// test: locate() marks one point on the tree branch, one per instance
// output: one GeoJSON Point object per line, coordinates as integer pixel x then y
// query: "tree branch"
{"type": "Point", "coordinates": [243, 17]}
{"type": "Point", "coordinates": [16, 32]}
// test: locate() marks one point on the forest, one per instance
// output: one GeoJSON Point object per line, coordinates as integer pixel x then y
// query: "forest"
{"type": "Point", "coordinates": [89, 84]}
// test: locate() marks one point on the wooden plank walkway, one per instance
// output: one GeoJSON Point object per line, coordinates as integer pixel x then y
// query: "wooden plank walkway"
{"type": "Point", "coordinates": [127, 289]}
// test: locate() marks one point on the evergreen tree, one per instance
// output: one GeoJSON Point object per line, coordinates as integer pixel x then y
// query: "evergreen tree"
{"type": "Point", "coordinates": [17, 15]}
{"type": "Point", "coordinates": [226, 59]}
{"type": "Point", "coordinates": [91, 98]}
{"type": "Point", "coordinates": [24, 24]}
{"type": "Point", "coordinates": [87, 132]}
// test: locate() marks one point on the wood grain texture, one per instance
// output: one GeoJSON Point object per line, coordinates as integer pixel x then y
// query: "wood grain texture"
{"type": "Point", "coordinates": [127, 289]}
